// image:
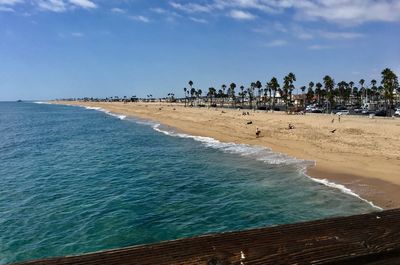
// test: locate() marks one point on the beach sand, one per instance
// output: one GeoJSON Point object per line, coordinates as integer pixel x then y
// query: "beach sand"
{"type": "Point", "coordinates": [363, 153]}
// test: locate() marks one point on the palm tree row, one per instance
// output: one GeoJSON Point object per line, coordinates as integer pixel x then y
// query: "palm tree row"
{"type": "Point", "coordinates": [326, 93]}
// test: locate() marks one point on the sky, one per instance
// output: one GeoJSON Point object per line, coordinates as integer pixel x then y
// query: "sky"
{"type": "Point", "coordinates": [96, 48]}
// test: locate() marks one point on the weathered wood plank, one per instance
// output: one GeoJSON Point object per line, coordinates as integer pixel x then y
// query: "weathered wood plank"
{"type": "Point", "coordinates": [362, 239]}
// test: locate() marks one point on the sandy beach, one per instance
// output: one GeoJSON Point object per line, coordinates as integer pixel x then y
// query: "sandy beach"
{"type": "Point", "coordinates": [362, 153]}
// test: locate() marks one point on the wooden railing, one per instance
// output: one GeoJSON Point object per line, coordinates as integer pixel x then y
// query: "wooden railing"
{"type": "Point", "coordinates": [362, 239]}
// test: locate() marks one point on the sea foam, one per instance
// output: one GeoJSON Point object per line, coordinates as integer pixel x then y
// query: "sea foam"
{"type": "Point", "coordinates": [343, 189]}
{"type": "Point", "coordinates": [121, 117]}
{"type": "Point", "coordinates": [42, 102]}
{"type": "Point", "coordinates": [265, 155]}
{"type": "Point", "coordinates": [256, 152]}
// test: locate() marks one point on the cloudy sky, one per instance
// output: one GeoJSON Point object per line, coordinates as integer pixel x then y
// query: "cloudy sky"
{"type": "Point", "coordinates": [74, 48]}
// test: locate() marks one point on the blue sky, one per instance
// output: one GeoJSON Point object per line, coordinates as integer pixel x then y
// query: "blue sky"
{"type": "Point", "coordinates": [75, 48]}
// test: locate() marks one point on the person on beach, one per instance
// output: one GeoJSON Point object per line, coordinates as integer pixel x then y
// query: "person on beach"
{"type": "Point", "coordinates": [258, 132]}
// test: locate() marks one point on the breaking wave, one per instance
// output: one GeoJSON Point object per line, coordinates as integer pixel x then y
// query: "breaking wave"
{"type": "Point", "coordinates": [121, 117]}
{"type": "Point", "coordinates": [263, 154]}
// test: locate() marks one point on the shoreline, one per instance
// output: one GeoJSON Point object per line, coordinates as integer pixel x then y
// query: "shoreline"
{"type": "Point", "coordinates": [376, 191]}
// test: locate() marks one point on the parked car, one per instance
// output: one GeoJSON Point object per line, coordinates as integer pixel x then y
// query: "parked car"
{"type": "Point", "coordinates": [380, 113]}
{"type": "Point", "coordinates": [397, 112]}
{"type": "Point", "coordinates": [366, 112]}
{"type": "Point", "coordinates": [343, 112]}
{"type": "Point", "coordinates": [339, 109]}
{"type": "Point", "coordinates": [317, 110]}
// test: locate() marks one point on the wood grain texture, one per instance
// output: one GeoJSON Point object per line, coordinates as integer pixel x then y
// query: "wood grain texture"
{"type": "Point", "coordinates": [362, 239]}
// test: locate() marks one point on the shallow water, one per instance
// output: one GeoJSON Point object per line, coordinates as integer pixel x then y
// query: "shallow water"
{"type": "Point", "coordinates": [74, 180]}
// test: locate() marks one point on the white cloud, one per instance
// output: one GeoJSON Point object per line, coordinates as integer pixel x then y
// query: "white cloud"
{"type": "Point", "coordinates": [140, 19]}
{"type": "Point", "coordinates": [158, 10]}
{"type": "Point", "coordinates": [276, 43]}
{"type": "Point", "coordinates": [77, 34]}
{"type": "Point", "coordinates": [118, 10]}
{"type": "Point", "coordinates": [10, 2]}
{"type": "Point", "coordinates": [241, 15]}
{"type": "Point", "coordinates": [301, 33]}
{"type": "Point", "coordinates": [340, 35]}
{"type": "Point", "coordinates": [319, 47]}
{"type": "Point", "coordinates": [6, 9]}
{"type": "Point", "coordinates": [62, 5]}
{"type": "Point", "coordinates": [83, 3]}
{"type": "Point", "coordinates": [191, 7]}
{"type": "Point", "coordinates": [352, 12]}
{"type": "Point", "coordinates": [52, 5]}
{"type": "Point", "coordinates": [345, 12]}
{"type": "Point", "coordinates": [244, 4]}
{"type": "Point", "coordinates": [199, 20]}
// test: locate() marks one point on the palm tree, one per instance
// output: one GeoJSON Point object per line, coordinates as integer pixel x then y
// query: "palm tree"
{"type": "Point", "coordinates": [329, 84]}
{"type": "Point", "coordinates": [184, 90]}
{"type": "Point", "coordinates": [258, 85]}
{"type": "Point", "coordinates": [318, 92]}
{"type": "Point", "coordinates": [231, 93]}
{"type": "Point", "coordinates": [242, 94]}
{"type": "Point", "coordinates": [288, 88]}
{"type": "Point", "coordinates": [356, 94]}
{"type": "Point", "coordinates": [223, 94]}
{"type": "Point", "coordinates": [362, 89]}
{"type": "Point", "coordinates": [192, 91]}
{"type": "Point", "coordinates": [211, 94]}
{"type": "Point", "coordinates": [292, 79]}
{"type": "Point", "coordinates": [198, 95]}
{"type": "Point", "coordinates": [303, 88]}
{"type": "Point", "coordinates": [342, 86]}
{"type": "Point", "coordinates": [269, 90]}
{"type": "Point", "coordinates": [310, 92]}
{"type": "Point", "coordinates": [351, 85]}
{"type": "Point", "coordinates": [389, 83]}
{"type": "Point", "coordinates": [374, 89]}
{"type": "Point", "coordinates": [285, 90]}
{"type": "Point", "coordinates": [192, 94]}
{"type": "Point", "coordinates": [274, 86]}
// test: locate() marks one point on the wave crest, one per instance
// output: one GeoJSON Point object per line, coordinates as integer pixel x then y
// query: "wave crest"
{"type": "Point", "coordinates": [263, 154]}
{"type": "Point", "coordinates": [257, 152]}
{"type": "Point", "coordinates": [121, 117]}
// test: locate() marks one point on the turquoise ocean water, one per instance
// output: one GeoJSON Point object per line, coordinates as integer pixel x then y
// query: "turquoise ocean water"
{"type": "Point", "coordinates": [76, 180]}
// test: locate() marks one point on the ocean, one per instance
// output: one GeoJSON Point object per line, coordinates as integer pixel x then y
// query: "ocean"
{"type": "Point", "coordinates": [75, 180]}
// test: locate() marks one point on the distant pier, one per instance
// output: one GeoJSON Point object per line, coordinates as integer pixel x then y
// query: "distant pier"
{"type": "Point", "coordinates": [361, 239]}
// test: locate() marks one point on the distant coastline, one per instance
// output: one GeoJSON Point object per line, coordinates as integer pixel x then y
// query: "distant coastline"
{"type": "Point", "coordinates": [340, 158]}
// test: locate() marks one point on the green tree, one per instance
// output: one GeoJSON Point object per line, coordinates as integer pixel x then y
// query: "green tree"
{"type": "Point", "coordinates": [231, 92]}
{"type": "Point", "coordinates": [184, 90]}
{"type": "Point", "coordinates": [303, 88]}
{"type": "Point", "coordinates": [192, 91]}
{"type": "Point", "coordinates": [319, 92]}
{"type": "Point", "coordinates": [211, 94]}
{"type": "Point", "coordinates": [291, 79]}
{"type": "Point", "coordinates": [223, 94]}
{"type": "Point", "coordinates": [389, 83]}
{"type": "Point", "coordinates": [242, 94]}
{"type": "Point", "coordinates": [274, 86]}
{"type": "Point", "coordinates": [374, 89]}
{"type": "Point", "coordinates": [258, 85]}
{"type": "Point", "coordinates": [329, 85]}
{"type": "Point", "coordinates": [362, 89]}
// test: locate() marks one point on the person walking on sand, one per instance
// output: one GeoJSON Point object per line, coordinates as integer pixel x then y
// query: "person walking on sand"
{"type": "Point", "coordinates": [258, 132]}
